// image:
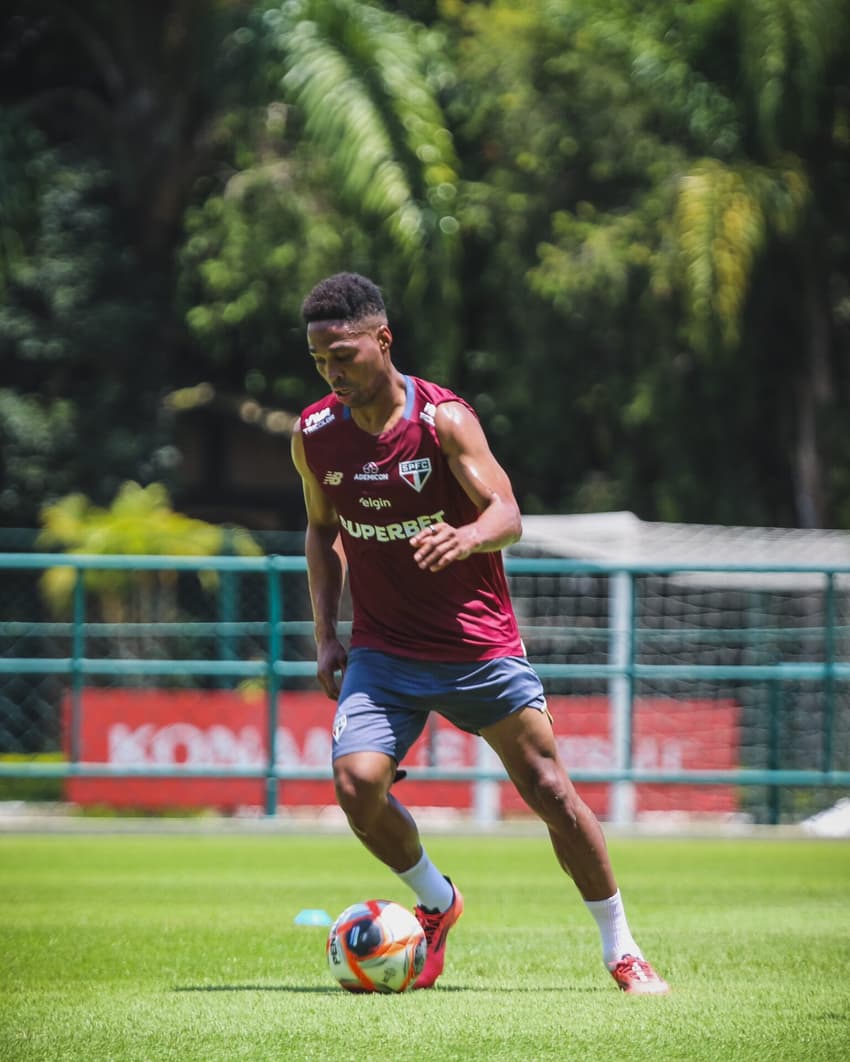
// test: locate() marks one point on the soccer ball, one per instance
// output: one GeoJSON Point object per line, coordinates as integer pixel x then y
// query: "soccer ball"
{"type": "Point", "coordinates": [376, 946]}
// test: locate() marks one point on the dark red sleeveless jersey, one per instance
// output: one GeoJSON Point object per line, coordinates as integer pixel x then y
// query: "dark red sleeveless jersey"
{"type": "Point", "coordinates": [385, 489]}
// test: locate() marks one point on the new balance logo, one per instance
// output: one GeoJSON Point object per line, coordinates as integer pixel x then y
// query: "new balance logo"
{"type": "Point", "coordinates": [332, 479]}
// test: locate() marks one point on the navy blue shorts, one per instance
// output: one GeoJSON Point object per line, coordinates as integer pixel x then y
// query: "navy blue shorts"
{"type": "Point", "coordinates": [385, 700]}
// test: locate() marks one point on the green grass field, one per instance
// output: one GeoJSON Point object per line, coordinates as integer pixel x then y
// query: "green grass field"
{"type": "Point", "coordinates": [153, 947]}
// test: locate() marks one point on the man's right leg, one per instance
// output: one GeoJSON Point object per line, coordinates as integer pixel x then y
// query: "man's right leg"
{"type": "Point", "coordinates": [362, 781]}
{"type": "Point", "coordinates": [387, 829]}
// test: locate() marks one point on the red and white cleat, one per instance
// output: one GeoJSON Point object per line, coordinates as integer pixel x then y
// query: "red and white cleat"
{"type": "Point", "coordinates": [436, 925]}
{"type": "Point", "coordinates": [637, 977]}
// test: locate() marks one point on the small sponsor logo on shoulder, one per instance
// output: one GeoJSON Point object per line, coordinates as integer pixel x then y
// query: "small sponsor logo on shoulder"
{"type": "Point", "coordinates": [320, 419]}
{"type": "Point", "coordinates": [415, 473]}
{"type": "Point", "coordinates": [429, 411]}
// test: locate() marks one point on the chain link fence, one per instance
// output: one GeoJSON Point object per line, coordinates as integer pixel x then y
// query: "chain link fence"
{"type": "Point", "coordinates": [661, 661]}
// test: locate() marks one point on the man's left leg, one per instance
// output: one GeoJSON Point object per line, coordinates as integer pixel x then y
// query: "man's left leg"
{"type": "Point", "coordinates": [525, 743]}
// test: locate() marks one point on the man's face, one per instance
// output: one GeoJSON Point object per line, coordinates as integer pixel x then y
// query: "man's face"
{"type": "Point", "coordinates": [352, 358]}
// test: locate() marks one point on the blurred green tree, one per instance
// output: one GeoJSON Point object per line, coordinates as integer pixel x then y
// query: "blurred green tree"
{"type": "Point", "coordinates": [343, 162]}
{"type": "Point", "coordinates": [79, 342]}
{"type": "Point", "coordinates": [202, 162]}
{"type": "Point", "coordinates": [107, 123]}
{"type": "Point", "coordinates": [775, 218]}
{"type": "Point", "coordinates": [140, 520]}
{"type": "Point", "coordinates": [657, 183]}
{"type": "Point", "coordinates": [621, 230]}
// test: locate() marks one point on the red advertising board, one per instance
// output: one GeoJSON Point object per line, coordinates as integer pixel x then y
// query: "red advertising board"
{"type": "Point", "coordinates": [209, 729]}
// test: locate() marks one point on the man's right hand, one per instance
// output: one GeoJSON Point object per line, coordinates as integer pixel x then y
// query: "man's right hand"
{"type": "Point", "coordinates": [331, 659]}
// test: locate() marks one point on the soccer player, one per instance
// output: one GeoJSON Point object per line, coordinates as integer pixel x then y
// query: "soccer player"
{"type": "Point", "coordinates": [402, 490]}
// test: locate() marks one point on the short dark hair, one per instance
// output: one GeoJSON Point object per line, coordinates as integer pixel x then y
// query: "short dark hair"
{"type": "Point", "coordinates": [343, 297]}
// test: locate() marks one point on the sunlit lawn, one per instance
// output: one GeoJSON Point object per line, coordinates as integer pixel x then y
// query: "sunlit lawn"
{"type": "Point", "coordinates": [150, 947]}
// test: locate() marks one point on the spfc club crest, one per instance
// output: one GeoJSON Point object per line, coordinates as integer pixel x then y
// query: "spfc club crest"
{"type": "Point", "coordinates": [415, 473]}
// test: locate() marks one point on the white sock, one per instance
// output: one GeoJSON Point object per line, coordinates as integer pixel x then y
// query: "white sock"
{"type": "Point", "coordinates": [617, 939]}
{"type": "Point", "coordinates": [432, 889]}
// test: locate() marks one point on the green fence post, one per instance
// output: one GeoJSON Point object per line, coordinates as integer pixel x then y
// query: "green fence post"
{"type": "Point", "coordinates": [272, 682]}
{"type": "Point", "coordinates": [78, 618]}
{"type": "Point", "coordinates": [773, 740]}
{"type": "Point", "coordinates": [226, 609]}
{"type": "Point", "coordinates": [829, 676]}
{"type": "Point", "coordinates": [633, 651]}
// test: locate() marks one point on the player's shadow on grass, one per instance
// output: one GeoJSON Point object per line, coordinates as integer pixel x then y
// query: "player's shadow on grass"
{"type": "Point", "coordinates": [332, 989]}
{"type": "Point", "coordinates": [320, 989]}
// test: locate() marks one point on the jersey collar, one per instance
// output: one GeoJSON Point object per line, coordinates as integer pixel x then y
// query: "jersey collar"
{"type": "Point", "coordinates": [410, 397]}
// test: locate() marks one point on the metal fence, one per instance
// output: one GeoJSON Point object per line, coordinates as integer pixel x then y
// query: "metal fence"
{"type": "Point", "coordinates": [774, 642]}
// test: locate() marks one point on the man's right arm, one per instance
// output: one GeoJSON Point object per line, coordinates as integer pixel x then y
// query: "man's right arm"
{"type": "Point", "coordinates": [325, 571]}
